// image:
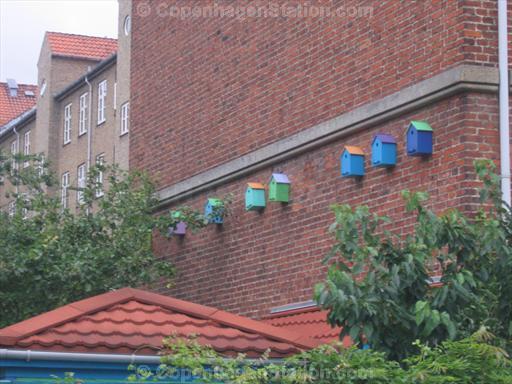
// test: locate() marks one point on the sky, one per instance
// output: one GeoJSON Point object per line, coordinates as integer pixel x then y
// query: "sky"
{"type": "Point", "coordinates": [24, 22]}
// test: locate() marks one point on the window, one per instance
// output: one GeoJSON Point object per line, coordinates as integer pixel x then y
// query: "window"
{"type": "Point", "coordinates": [14, 151]}
{"type": "Point", "coordinates": [64, 195]}
{"type": "Point", "coordinates": [102, 96]}
{"type": "Point", "coordinates": [12, 208]}
{"type": "Point", "coordinates": [80, 184]}
{"type": "Point", "coordinates": [125, 118]}
{"type": "Point", "coordinates": [100, 161]}
{"type": "Point", "coordinates": [43, 88]}
{"type": "Point", "coordinates": [40, 166]}
{"type": "Point", "coordinates": [26, 148]}
{"type": "Point", "coordinates": [67, 124]}
{"type": "Point", "coordinates": [83, 117]}
{"type": "Point", "coordinates": [127, 25]}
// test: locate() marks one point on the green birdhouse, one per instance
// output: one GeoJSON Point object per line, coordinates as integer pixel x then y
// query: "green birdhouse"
{"type": "Point", "coordinates": [279, 188]}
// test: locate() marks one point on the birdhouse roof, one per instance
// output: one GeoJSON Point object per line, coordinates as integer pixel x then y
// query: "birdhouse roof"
{"type": "Point", "coordinates": [214, 201]}
{"type": "Point", "coordinates": [421, 125]}
{"type": "Point", "coordinates": [385, 138]}
{"type": "Point", "coordinates": [256, 185]}
{"type": "Point", "coordinates": [281, 178]}
{"type": "Point", "coordinates": [353, 150]}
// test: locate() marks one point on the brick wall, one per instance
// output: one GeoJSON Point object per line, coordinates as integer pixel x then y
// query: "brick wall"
{"type": "Point", "coordinates": [207, 90]}
{"type": "Point", "coordinates": [260, 260]}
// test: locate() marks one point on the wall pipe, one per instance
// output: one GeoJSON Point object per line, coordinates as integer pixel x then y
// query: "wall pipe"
{"type": "Point", "coordinates": [89, 130]}
{"type": "Point", "coordinates": [504, 100]}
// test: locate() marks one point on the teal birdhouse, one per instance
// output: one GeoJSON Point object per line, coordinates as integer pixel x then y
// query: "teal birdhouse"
{"type": "Point", "coordinates": [352, 162]}
{"type": "Point", "coordinates": [279, 188]}
{"type": "Point", "coordinates": [214, 211]}
{"type": "Point", "coordinates": [255, 197]}
{"type": "Point", "coordinates": [419, 138]}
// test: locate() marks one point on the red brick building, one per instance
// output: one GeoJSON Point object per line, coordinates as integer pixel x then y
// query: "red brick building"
{"type": "Point", "coordinates": [219, 101]}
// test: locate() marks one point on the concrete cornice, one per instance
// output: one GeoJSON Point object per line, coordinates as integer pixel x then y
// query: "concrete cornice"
{"type": "Point", "coordinates": [463, 78]}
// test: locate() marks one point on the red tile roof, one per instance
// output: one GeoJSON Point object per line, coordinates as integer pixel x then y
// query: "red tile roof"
{"type": "Point", "coordinates": [89, 47]}
{"type": "Point", "coordinates": [134, 321]}
{"type": "Point", "coordinates": [310, 322]}
{"type": "Point", "coordinates": [13, 106]}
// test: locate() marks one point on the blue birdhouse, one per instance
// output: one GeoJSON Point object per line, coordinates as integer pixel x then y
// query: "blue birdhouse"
{"type": "Point", "coordinates": [383, 150]}
{"type": "Point", "coordinates": [255, 197]}
{"type": "Point", "coordinates": [214, 211]}
{"type": "Point", "coordinates": [419, 139]}
{"type": "Point", "coordinates": [352, 162]}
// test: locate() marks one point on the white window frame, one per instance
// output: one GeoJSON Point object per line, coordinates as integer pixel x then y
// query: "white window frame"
{"type": "Point", "coordinates": [64, 190]}
{"type": "Point", "coordinates": [14, 151]}
{"type": "Point", "coordinates": [67, 124]}
{"type": "Point", "coordinates": [26, 148]}
{"type": "Point", "coordinates": [100, 160]}
{"type": "Point", "coordinates": [12, 208]}
{"type": "Point", "coordinates": [115, 95]}
{"type": "Point", "coordinates": [81, 176]}
{"type": "Point", "coordinates": [125, 119]}
{"type": "Point", "coordinates": [40, 165]}
{"type": "Point", "coordinates": [102, 98]}
{"type": "Point", "coordinates": [83, 117]}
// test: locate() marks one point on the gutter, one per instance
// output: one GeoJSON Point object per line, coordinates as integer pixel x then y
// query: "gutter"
{"type": "Point", "coordinates": [82, 357]}
{"type": "Point", "coordinates": [17, 121]}
{"type": "Point", "coordinates": [97, 70]}
{"type": "Point", "coordinates": [28, 355]}
{"type": "Point", "coordinates": [504, 102]}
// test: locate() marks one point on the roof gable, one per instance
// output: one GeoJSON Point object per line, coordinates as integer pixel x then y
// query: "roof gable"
{"type": "Point", "coordinates": [384, 138]}
{"type": "Point", "coordinates": [256, 185]}
{"type": "Point", "coordinates": [131, 320]}
{"type": "Point", "coordinates": [353, 150]}
{"type": "Point", "coordinates": [281, 178]}
{"type": "Point", "coordinates": [80, 46]}
{"type": "Point", "coordinates": [421, 125]}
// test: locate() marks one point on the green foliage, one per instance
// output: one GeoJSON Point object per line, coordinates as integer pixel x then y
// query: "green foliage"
{"type": "Point", "coordinates": [378, 287]}
{"type": "Point", "coordinates": [472, 360]}
{"type": "Point", "coordinates": [51, 256]}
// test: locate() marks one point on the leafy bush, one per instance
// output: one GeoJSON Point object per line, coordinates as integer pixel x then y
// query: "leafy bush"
{"type": "Point", "coordinates": [50, 256]}
{"type": "Point", "coordinates": [378, 286]}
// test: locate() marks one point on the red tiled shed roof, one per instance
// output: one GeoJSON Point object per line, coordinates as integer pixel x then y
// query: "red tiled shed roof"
{"type": "Point", "coordinates": [89, 47]}
{"type": "Point", "coordinates": [310, 322]}
{"type": "Point", "coordinates": [134, 321]}
{"type": "Point", "coordinates": [13, 106]}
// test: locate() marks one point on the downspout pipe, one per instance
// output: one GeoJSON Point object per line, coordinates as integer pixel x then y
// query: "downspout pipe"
{"type": "Point", "coordinates": [17, 152]}
{"type": "Point", "coordinates": [89, 131]}
{"type": "Point", "coordinates": [504, 101]}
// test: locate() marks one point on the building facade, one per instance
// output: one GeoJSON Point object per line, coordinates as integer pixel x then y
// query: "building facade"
{"type": "Point", "coordinates": [81, 113]}
{"type": "Point", "coordinates": [220, 100]}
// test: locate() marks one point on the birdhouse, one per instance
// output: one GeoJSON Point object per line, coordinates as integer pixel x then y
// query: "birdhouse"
{"type": "Point", "coordinates": [352, 162]}
{"type": "Point", "coordinates": [214, 211]}
{"type": "Point", "coordinates": [383, 150]}
{"type": "Point", "coordinates": [279, 188]}
{"type": "Point", "coordinates": [255, 197]}
{"type": "Point", "coordinates": [419, 139]}
{"type": "Point", "coordinates": [180, 228]}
